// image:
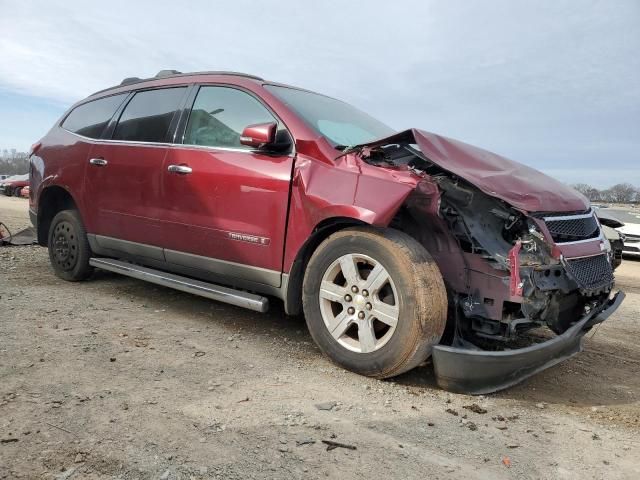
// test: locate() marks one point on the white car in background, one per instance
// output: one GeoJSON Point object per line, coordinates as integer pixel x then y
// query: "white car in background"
{"type": "Point", "coordinates": [630, 230]}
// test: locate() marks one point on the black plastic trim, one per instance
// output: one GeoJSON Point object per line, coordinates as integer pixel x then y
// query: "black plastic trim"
{"type": "Point", "coordinates": [478, 372]}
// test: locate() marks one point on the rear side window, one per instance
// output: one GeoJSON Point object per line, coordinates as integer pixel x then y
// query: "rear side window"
{"type": "Point", "coordinates": [147, 117]}
{"type": "Point", "coordinates": [219, 116]}
{"type": "Point", "coordinates": [91, 118]}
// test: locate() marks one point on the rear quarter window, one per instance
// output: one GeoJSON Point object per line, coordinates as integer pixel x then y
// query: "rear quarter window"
{"type": "Point", "coordinates": [91, 118]}
{"type": "Point", "coordinates": [147, 117]}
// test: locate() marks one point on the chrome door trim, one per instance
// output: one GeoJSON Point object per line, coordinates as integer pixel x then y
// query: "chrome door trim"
{"type": "Point", "coordinates": [110, 246]}
{"type": "Point", "coordinates": [128, 247]}
{"type": "Point", "coordinates": [224, 267]}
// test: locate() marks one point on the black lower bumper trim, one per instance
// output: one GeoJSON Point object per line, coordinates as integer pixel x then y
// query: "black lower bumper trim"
{"type": "Point", "coordinates": [478, 372]}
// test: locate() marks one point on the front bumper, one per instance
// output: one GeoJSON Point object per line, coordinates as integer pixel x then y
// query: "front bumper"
{"type": "Point", "coordinates": [477, 372]}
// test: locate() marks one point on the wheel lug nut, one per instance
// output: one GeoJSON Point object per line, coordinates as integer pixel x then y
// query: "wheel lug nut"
{"type": "Point", "coordinates": [351, 310]}
{"type": "Point", "coordinates": [361, 315]}
{"type": "Point", "coordinates": [368, 306]}
{"type": "Point", "coordinates": [365, 293]}
{"type": "Point", "coordinates": [347, 298]}
{"type": "Point", "coordinates": [354, 289]}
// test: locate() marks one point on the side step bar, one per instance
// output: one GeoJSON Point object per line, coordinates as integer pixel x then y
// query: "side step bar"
{"type": "Point", "coordinates": [184, 284]}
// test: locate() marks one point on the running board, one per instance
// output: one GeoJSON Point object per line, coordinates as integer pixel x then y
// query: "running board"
{"type": "Point", "coordinates": [184, 284]}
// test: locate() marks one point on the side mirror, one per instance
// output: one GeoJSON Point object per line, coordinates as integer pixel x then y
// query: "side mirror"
{"type": "Point", "coordinates": [259, 135]}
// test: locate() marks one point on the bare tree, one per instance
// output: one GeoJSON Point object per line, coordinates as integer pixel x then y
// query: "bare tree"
{"type": "Point", "coordinates": [588, 191]}
{"type": "Point", "coordinates": [622, 193]}
{"type": "Point", "coordinates": [12, 163]}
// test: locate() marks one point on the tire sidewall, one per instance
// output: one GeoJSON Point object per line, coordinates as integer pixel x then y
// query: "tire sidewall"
{"type": "Point", "coordinates": [81, 268]}
{"type": "Point", "coordinates": [400, 345]}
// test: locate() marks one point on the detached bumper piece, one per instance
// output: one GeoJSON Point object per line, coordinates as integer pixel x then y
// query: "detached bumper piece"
{"type": "Point", "coordinates": [478, 372]}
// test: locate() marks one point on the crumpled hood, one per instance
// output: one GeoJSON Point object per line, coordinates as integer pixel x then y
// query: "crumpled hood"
{"type": "Point", "coordinates": [522, 187]}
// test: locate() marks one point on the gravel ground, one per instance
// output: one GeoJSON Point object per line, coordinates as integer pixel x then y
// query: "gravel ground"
{"type": "Point", "coordinates": [115, 378]}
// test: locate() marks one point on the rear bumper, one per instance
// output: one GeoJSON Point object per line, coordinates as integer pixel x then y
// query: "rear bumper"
{"type": "Point", "coordinates": [478, 372]}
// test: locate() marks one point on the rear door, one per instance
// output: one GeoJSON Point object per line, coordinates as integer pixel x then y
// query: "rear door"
{"type": "Point", "coordinates": [124, 174]}
{"type": "Point", "coordinates": [226, 212]}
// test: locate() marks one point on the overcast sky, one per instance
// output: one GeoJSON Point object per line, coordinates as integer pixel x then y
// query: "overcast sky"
{"type": "Point", "coordinates": [554, 84]}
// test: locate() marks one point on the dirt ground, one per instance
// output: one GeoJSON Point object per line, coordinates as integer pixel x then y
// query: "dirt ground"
{"type": "Point", "coordinates": [115, 378]}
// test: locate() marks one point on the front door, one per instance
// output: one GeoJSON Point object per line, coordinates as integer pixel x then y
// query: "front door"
{"type": "Point", "coordinates": [226, 204]}
{"type": "Point", "coordinates": [124, 174]}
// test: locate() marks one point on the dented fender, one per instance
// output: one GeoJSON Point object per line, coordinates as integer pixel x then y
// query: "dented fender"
{"type": "Point", "coordinates": [348, 188]}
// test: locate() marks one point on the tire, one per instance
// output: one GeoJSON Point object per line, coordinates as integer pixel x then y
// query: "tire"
{"type": "Point", "coordinates": [69, 250]}
{"type": "Point", "coordinates": [414, 294]}
{"type": "Point", "coordinates": [16, 192]}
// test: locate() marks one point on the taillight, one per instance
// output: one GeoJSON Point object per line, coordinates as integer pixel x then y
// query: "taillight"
{"type": "Point", "coordinates": [35, 147]}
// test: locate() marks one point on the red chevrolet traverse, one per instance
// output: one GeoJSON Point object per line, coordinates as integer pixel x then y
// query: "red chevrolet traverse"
{"type": "Point", "coordinates": [396, 246]}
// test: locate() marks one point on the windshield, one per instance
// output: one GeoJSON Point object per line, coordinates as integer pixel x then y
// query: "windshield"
{"type": "Point", "coordinates": [342, 124]}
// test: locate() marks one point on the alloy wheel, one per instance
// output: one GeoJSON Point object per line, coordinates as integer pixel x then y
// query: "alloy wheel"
{"type": "Point", "coordinates": [359, 303]}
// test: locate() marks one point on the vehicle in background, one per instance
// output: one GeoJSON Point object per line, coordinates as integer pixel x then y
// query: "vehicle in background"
{"type": "Point", "coordinates": [4, 177]}
{"type": "Point", "coordinates": [609, 225]}
{"type": "Point", "coordinates": [629, 228]}
{"type": "Point", "coordinates": [13, 185]}
{"type": "Point", "coordinates": [616, 239]}
{"type": "Point", "coordinates": [631, 232]}
{"type": "Point", "coordinates": [397, 246]}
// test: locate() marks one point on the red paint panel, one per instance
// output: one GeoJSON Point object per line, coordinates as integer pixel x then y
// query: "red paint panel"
{"type": "Point", "coordinates": [124, 197]}
{"type": "Point", "coordinates": [228, 192]}
{"type": "Point", "coordinates": [519, 185]}
{"type": "Point", "coordinates": [322, 190]}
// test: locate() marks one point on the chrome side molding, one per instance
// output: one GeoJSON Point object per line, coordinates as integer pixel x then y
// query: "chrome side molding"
{"type": "Point", "coordinates": [208, 290]}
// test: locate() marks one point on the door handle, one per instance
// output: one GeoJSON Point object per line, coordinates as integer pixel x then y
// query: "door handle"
{"type": "Point", "coordinates": [98, 162]}
{"type": "Point", "coordinates": [180, 169]}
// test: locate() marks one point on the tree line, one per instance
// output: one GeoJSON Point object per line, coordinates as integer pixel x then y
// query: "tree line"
{"type": "Point", "coordinates": [620, 193]}
{"type": "Point", "coordinates": [14, 163]}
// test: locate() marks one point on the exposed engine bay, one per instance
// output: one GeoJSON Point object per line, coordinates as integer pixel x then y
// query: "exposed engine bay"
{"type": "Point", "coordinates": [507, 270]}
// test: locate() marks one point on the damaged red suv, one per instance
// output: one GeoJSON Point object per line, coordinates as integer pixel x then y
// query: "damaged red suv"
{"type": "Point", "coordinates": [397, 246]}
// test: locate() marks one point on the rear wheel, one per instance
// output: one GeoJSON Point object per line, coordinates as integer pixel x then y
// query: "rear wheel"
{"type": "Point", "coordinates": [374, 301]}
{"type": "Point", "coordinates": [69, 250]}
{"type": "Point", "coordinates": [17, 191]}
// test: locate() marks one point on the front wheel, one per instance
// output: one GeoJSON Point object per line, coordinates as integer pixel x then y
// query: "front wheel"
{"type": "Point", "coordinates": [374, 301]}
{"type": "Point", "coordinates": [69, 250]}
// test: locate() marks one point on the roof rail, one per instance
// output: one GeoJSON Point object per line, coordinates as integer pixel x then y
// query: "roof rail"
{"type": "Point", "coordinates": [166, 73]}
{"type": "Point", "coordinates": [130, 80]}
{"type": "Point", "coordinates": [176, 73]}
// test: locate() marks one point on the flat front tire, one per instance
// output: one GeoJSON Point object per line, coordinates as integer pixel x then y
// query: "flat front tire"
{"type": "Point", "coordinates": [69, 250]}
{"type": "Point", "coordinates": [374, 301]}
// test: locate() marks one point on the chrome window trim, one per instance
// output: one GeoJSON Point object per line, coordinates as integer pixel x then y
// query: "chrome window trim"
{"type": "Point", "coordinates": [172, 145]}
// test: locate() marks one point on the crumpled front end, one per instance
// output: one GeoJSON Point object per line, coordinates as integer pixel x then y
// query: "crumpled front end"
{"type": "Point", "coordinates": [524, 285]}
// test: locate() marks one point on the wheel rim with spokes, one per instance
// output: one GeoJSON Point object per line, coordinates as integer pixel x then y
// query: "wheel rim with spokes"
{"type": "Point", "coordinates": [65, 245]}
{"type": "Point", "coordinates": [359, 303]}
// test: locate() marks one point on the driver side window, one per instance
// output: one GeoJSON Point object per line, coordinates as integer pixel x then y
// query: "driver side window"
{"type": "Point", "coordinates": [219, 115]}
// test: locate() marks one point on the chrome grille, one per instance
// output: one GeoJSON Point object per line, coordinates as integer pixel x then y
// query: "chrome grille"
{"type": "Point", "coordinates": [591, 273]}
{"type": "Point", "coordinates": [573, 228]}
